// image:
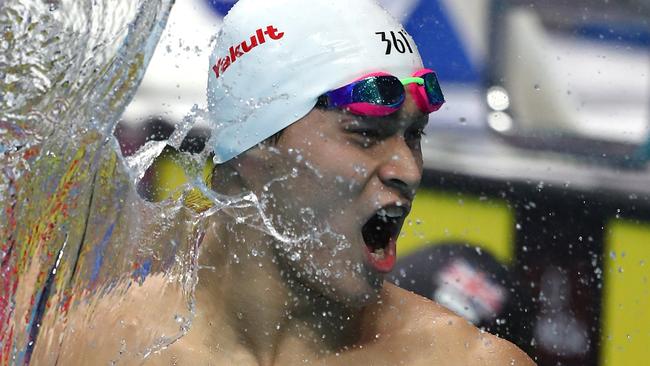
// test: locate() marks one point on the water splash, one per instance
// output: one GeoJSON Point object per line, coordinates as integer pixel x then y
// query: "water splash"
{"type": "Point", "coordinates": [68, 69]}
{"type": "Point", "coordinates": [139, 162]}
{"type": "Point", "coordinates": [86, 238]}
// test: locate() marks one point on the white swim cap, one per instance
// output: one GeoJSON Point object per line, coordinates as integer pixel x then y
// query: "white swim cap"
{"type": "Point", "coordinates": [274, 58]}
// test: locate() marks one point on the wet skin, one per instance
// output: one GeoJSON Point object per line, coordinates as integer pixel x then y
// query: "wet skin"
{"type": "Point", "coordinates": [258, 303]}
{"type": "Point", "coordinates": [330, 171]}
{"type": "Point", "coordinates": [326, 176]}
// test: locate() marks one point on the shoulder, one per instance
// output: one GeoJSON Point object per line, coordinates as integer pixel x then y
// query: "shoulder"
{"type": "Point", "coordinates": [444, 336]}
{"type": "Point", "coordinates": [116, 325]}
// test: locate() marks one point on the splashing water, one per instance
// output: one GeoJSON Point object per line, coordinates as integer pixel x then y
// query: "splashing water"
{"type": "Point", "coordinates": [75, 235]}
{"type": "Point", "coordinates": [68, 69]}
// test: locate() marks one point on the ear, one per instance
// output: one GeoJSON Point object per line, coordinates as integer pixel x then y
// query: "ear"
{"type": "Point", "coordinates": [225, 179]}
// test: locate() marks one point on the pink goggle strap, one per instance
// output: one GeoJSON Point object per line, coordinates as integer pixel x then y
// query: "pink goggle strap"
{"type": "Point", "coordinates": [419, 94]}
{"type": "Point", "coordinates": [369, 109]}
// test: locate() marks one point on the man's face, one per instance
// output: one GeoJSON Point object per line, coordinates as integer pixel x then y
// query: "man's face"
{"type": "Point", "coordinates": [340, 186]}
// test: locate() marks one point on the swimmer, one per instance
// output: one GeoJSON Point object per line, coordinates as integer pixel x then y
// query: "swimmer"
{"type": "Point", "coordinates": [318, 109]}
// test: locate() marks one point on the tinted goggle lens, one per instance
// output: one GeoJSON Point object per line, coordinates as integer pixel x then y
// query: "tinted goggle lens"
{"type": "Point", "coordinates": [380, 90]}
{"type": "Point", "coordinates": [432, 88]}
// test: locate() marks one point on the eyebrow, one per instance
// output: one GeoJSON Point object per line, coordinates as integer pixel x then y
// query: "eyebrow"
{"type": "Point", "coordinates": [417, 122]}
{"type": "Point", "coordinates": [390, 122]}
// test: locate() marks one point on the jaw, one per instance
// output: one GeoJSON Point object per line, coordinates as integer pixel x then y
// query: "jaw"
{"type": "Point", "coordinates": [350, 268]}
{"type": "Point", "coordinates": [343, 277]}
{"type": "Point", "coordinates": [336, 261]}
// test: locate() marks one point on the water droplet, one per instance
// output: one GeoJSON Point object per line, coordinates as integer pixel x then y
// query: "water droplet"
{"type": "Point", "coordinates": [360, 169]}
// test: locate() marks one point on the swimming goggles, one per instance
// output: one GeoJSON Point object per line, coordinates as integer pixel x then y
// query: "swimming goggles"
{"type": "Point", "coordinates": [381, 94]}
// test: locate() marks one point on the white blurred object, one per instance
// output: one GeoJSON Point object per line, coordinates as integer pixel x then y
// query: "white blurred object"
{"type": "Point", "coordinates": [611, 85]}
{"type": "Point", "coordinates": [536, 88]}
{"type": "Point", "coordinates": [176, 78]}
{"type": "Point", "coordinates": [498, 98]}
{"type": "Point", "coordinates": [463, 109]}
{"type": "Point", "coordinates": [565, 84]}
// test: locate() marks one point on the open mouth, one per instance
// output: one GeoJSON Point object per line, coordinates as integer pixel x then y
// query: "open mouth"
{"type": "Point", "coordinates": [380, 234]}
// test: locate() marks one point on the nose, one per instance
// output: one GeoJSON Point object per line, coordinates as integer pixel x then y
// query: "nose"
{"type": "Point", "coordinates": [402, 168]}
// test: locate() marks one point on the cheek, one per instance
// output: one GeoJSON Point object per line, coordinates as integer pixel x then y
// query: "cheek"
{"type": "Point", "coordinates": [327, 153]}
{"type": "Point", "coordinates": [313, 200]}
{"type": "Point", "coordinates": [323, 174]}
{"type": "Point", "coordinates": [345, 168]}
{"type": "Point", "coordinates": [334, 167]}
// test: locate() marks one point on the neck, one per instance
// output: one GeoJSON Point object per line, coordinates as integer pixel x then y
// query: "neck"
{"type": "Point", "coordinates": [258, 308]}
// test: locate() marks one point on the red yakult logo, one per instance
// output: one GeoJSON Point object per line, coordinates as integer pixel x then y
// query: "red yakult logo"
{"type": "Point", "coordinates": [245, 47]}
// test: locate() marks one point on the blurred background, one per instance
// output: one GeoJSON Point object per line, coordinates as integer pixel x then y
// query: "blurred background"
{"type": "Point", "coordinates": [533, 220]}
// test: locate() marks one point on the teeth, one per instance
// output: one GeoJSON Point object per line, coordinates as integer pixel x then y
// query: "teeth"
{"type": "Point", "coordinates": [378, 253]}
{"type": "Point", "coordinates": [392, 212]}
